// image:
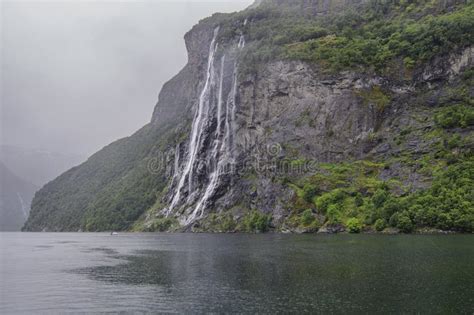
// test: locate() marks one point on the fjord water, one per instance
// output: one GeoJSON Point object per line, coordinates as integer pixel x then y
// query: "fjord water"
{"type": "Point", "coordinates": [200, 273]}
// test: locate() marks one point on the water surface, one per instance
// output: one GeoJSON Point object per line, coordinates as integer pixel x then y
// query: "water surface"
{"type": "Point", "coordinates": [201, 273]}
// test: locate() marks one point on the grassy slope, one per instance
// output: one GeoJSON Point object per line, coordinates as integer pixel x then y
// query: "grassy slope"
{"type": "Point", "coordinates": [108, 192]}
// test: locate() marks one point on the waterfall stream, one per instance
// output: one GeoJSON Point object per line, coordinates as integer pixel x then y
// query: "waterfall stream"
{"type": "Point", "coordinates": [23, 206]}
{"type": "Point", "coordinates": [220, 154]}
{"type": "Point", "coordinates": [219, 101]}
{"type": "Point", "coordinates": [227, 148]}
{"type": "Point", "coordinates": [241, 42]}
{"type": "Point", "coordinates": [176, 162]}
{"type": "Point", "coordinates": [197, 127]}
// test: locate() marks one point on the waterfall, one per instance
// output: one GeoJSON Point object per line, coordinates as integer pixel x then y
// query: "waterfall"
{"type": "Point", "coordinates": [220, 153]}
{"type": "Point", "coordinates": [176, 162]}
{"type": "Point", "coordinates": [197, 127]}
{"type": "Point", "coordinates": [23, 206]}
{"type": "Point", "coordinates": [233, 107]}
{"type": "Point", "coordinates": [241, 42]}
{"type": "Point", "coordinates": [242, 37]}
{"type": "Point", "coordinates": [226, 148]}
{"type": "Point", "coordinates": [216, 153]}
{"type": "Point", "coordinates": [219, 101]}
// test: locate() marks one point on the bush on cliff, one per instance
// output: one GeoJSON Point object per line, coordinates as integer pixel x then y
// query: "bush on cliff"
{"type": "Point", "coordinates": [354, 225]}
{"type": "Point", "coordinates": [380, 225]}
{"type": "Point", "coordinates": [307, 217]}
{"type": "Point", "coordinates": [256, 222]}
{"type": "Point", "coordinates": [456, 116]}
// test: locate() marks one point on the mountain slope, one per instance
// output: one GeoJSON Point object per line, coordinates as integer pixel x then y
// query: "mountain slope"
{"type": "Point", "coordinates": [295, 115]}
{"type": "Point", "coordinates": [15, 198]}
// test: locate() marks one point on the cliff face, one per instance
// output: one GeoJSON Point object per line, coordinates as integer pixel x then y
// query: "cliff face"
{"type": "Point", "coordinates": [177, 95]}
{"type": "Point", "coordinates": [295, 114]}
{"type": "Point", "coordinates": [236, 145]}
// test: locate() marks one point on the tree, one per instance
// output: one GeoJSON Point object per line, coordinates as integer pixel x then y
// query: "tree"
{"type": "Point", "coordinates": [354, 225]}
{"type": "Point", "coordinates": [380, 225]}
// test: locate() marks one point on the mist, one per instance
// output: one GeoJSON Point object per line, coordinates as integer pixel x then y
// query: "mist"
{"type": "Point", "coordinates": [76, 75]}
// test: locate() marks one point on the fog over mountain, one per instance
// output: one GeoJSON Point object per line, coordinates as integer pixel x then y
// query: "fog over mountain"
{"type": "Point", "coordinates": [77, 75]}
{"type": "Point", "coordinates": [37, 166]}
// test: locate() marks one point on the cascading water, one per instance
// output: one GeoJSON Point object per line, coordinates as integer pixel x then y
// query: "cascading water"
{"type": "Point", "coordinates": [23, 206]}
{"type": "Point", "coordinates": [241, 42]}
{"type": "Point", "coordinates": [197, 127]}
{"type": "Point", "coordinates": [176, 162]}
{"type": "Point", "coordinates": [222, 151]}
{"type": "Point", "coordinates": [219, 101]}
{"type": "Point", "coordinates": [227, 147]}
{"type": "Point", "coordinates": [220, 155]}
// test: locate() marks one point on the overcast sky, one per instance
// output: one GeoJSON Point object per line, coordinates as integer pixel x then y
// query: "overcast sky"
{"type": "Point", "coordinates": [77, 75]}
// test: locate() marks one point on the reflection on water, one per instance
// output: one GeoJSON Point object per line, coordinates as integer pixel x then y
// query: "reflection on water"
{"type": "Point", "coordinates": [239, 273]}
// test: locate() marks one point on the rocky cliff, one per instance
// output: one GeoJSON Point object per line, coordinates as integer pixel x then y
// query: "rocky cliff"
{"type": "Point", "coordinates": [294, 116]}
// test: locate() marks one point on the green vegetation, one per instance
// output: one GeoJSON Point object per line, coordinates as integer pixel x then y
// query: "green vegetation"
{"type": "Point", "coordinates": [256, 222]}
{"type": "Point", "coordinates": [162, 225]}
{"type": "Point", "coordinates": [354, 225]}
{"type": "Point", "coordinates": [307, 218]}
{"type": "Point", "coordinates": [111, 191]}
{"type": "Point", "coordinates": [375, 97]}
{"type": "Point", "coordinates": [223, 222]}
{"type": "Point", "coordinates": [456, 116]}
{"type": "Point", "coordinates": [380, 225]}
{"type": "Point", "coordinates": [355, 194]}
{"type": "Point", "coordinates": [309, 191]}
{"type": "Point", "coordinates": [380, 36]}
{"type": "Point", "coordinates": [378, 42]}
{"type": "Point", "coordinates": [402, 221]}
{"type": "Point", "coordinates": [448, 204]}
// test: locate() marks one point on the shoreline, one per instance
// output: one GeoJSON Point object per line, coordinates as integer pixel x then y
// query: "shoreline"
{"type": "Point", "coordinates": [286, 232]}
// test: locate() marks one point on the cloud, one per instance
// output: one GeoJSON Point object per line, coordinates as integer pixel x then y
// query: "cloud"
{"type": "Point", "coordinates": [77, 75]}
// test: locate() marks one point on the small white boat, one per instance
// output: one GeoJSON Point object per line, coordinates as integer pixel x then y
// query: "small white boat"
{"type": "Point", "coordinates": [113, 233]}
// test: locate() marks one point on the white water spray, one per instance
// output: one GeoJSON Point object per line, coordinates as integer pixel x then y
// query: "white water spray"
{"type": "Point", "coordinates": [242, 37]}
{"type": "Point", "coordinates": [226, 149]}
{"type": "Point", "coordinates": [176, 162]}
{"type": "Point", "coordinates": [220, 155]}
{"type": "Point", "coordinates": [219, 101]}
{"type": "Point", "coordinates": [197, 127]}
{"type": "Point", "coordinates": [241, 42]}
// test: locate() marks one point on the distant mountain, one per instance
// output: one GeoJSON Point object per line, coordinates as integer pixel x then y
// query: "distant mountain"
{"type": "Point", "coordinates": [15, 200]}
{"type": "Point", "coordinates": [23, 171]}
{"type": "Point", "coordinates": [37, 166]}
